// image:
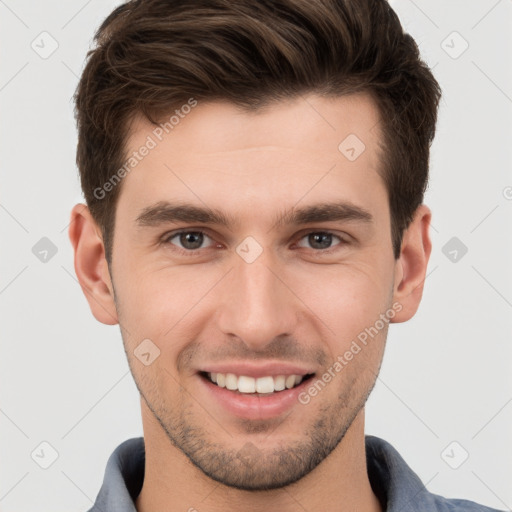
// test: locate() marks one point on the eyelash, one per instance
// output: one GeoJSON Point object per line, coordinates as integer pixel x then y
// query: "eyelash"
{"type": "Point", "coordinates": [194, 252]}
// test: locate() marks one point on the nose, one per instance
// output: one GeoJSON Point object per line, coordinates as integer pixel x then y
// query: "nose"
{"type": "Point", "coordinates": [258, 304]}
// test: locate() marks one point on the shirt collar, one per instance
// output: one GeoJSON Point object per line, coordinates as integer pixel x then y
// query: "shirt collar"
{"type": "Point", "coordinates": [123, 478]}
{"type": "Point", "coordinates": [397, 487]}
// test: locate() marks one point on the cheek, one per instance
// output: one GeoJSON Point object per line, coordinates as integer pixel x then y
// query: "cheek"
{"type": "Point", "coordinates": [346, 299]}
{"type": "Point", "coordinates": [157, 300]}
{"type": "Point", "coordinates": [163, 307]}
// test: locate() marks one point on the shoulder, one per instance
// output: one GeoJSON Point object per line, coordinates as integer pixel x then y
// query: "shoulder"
{"type": "Point", "coordinates": [398, 487]}
{"type": "Point", "coordinates": [458, 505]}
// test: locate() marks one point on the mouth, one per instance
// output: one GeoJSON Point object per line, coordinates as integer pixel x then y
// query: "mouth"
{"type": "Point", "coordinates": [269, 385]}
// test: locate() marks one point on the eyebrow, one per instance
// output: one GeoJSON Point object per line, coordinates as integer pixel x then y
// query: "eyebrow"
{"type": "Point", "coordinates": [167, 212]}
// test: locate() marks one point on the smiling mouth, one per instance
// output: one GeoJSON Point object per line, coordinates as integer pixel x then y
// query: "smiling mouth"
{"type": "Point", "coordinates": [261, 386]}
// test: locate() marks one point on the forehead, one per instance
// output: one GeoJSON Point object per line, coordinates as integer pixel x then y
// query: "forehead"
{"type": "Point", "coordinates": [312, 146]}
{"type": "Point", "coordinates": [319, 123]}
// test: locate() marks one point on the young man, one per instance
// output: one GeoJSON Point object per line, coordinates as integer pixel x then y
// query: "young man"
{"type": "Point", "coordinates": [254, 175]}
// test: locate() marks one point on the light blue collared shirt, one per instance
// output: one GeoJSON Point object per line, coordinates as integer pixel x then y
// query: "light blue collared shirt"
{"type": "Point", "coordinates": [395, 484]}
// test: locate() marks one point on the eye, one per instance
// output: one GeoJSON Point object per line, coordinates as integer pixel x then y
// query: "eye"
{"type": "Point", "coordinates": [321, 240]}
{"type": "Point", "coordinates": [189, 240]}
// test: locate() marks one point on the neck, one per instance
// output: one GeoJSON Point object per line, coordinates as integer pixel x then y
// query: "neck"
{"type": "Point", "coordinates": [172, 483]}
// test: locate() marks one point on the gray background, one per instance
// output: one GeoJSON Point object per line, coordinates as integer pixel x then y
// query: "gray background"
{"type": "Point", "coordinates": [446, 376]}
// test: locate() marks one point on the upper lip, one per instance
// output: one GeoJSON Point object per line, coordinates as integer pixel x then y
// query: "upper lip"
{"type": "Point", "coordinates": [250, 369]}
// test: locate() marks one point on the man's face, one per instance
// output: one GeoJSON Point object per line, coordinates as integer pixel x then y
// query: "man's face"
{"type": "Point", "coordinates": [258, 298]}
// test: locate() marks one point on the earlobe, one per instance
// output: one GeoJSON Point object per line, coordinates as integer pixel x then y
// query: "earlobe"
{"type": "Point", "coordinates": [411, 266]}
{"type": "Point", "coordinates": [91, 266]}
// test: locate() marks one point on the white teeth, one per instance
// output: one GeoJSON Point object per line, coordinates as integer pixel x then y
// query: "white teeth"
{"type": "Point", "coordinates": [231, 381]}
{"type": "Point", "coordinates": [279, 383]}
{"type": "Point", "coordinates": [220, 379]}
{"type": "Point", "coordinates": [265, 385]}
{"type": "Point", "coordinates": [290, 381]}
{"type": "Point", "coordinates": [245, 384]}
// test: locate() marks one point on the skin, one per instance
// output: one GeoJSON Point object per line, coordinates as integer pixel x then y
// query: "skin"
{"type": "Point", "coordinates": [295, 302]}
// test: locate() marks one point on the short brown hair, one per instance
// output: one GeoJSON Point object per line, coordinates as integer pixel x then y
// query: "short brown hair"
{"type": "Point", "coordinates": [154, 55]}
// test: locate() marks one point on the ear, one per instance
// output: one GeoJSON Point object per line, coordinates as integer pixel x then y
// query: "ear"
{"type": "Point", "coordinates": [411, 266]}
{"type": "Point", "coordinates": [91, 266]}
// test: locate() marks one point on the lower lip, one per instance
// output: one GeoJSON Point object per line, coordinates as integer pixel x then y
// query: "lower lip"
{"type": "Point", "coordinates": [253, 406]}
